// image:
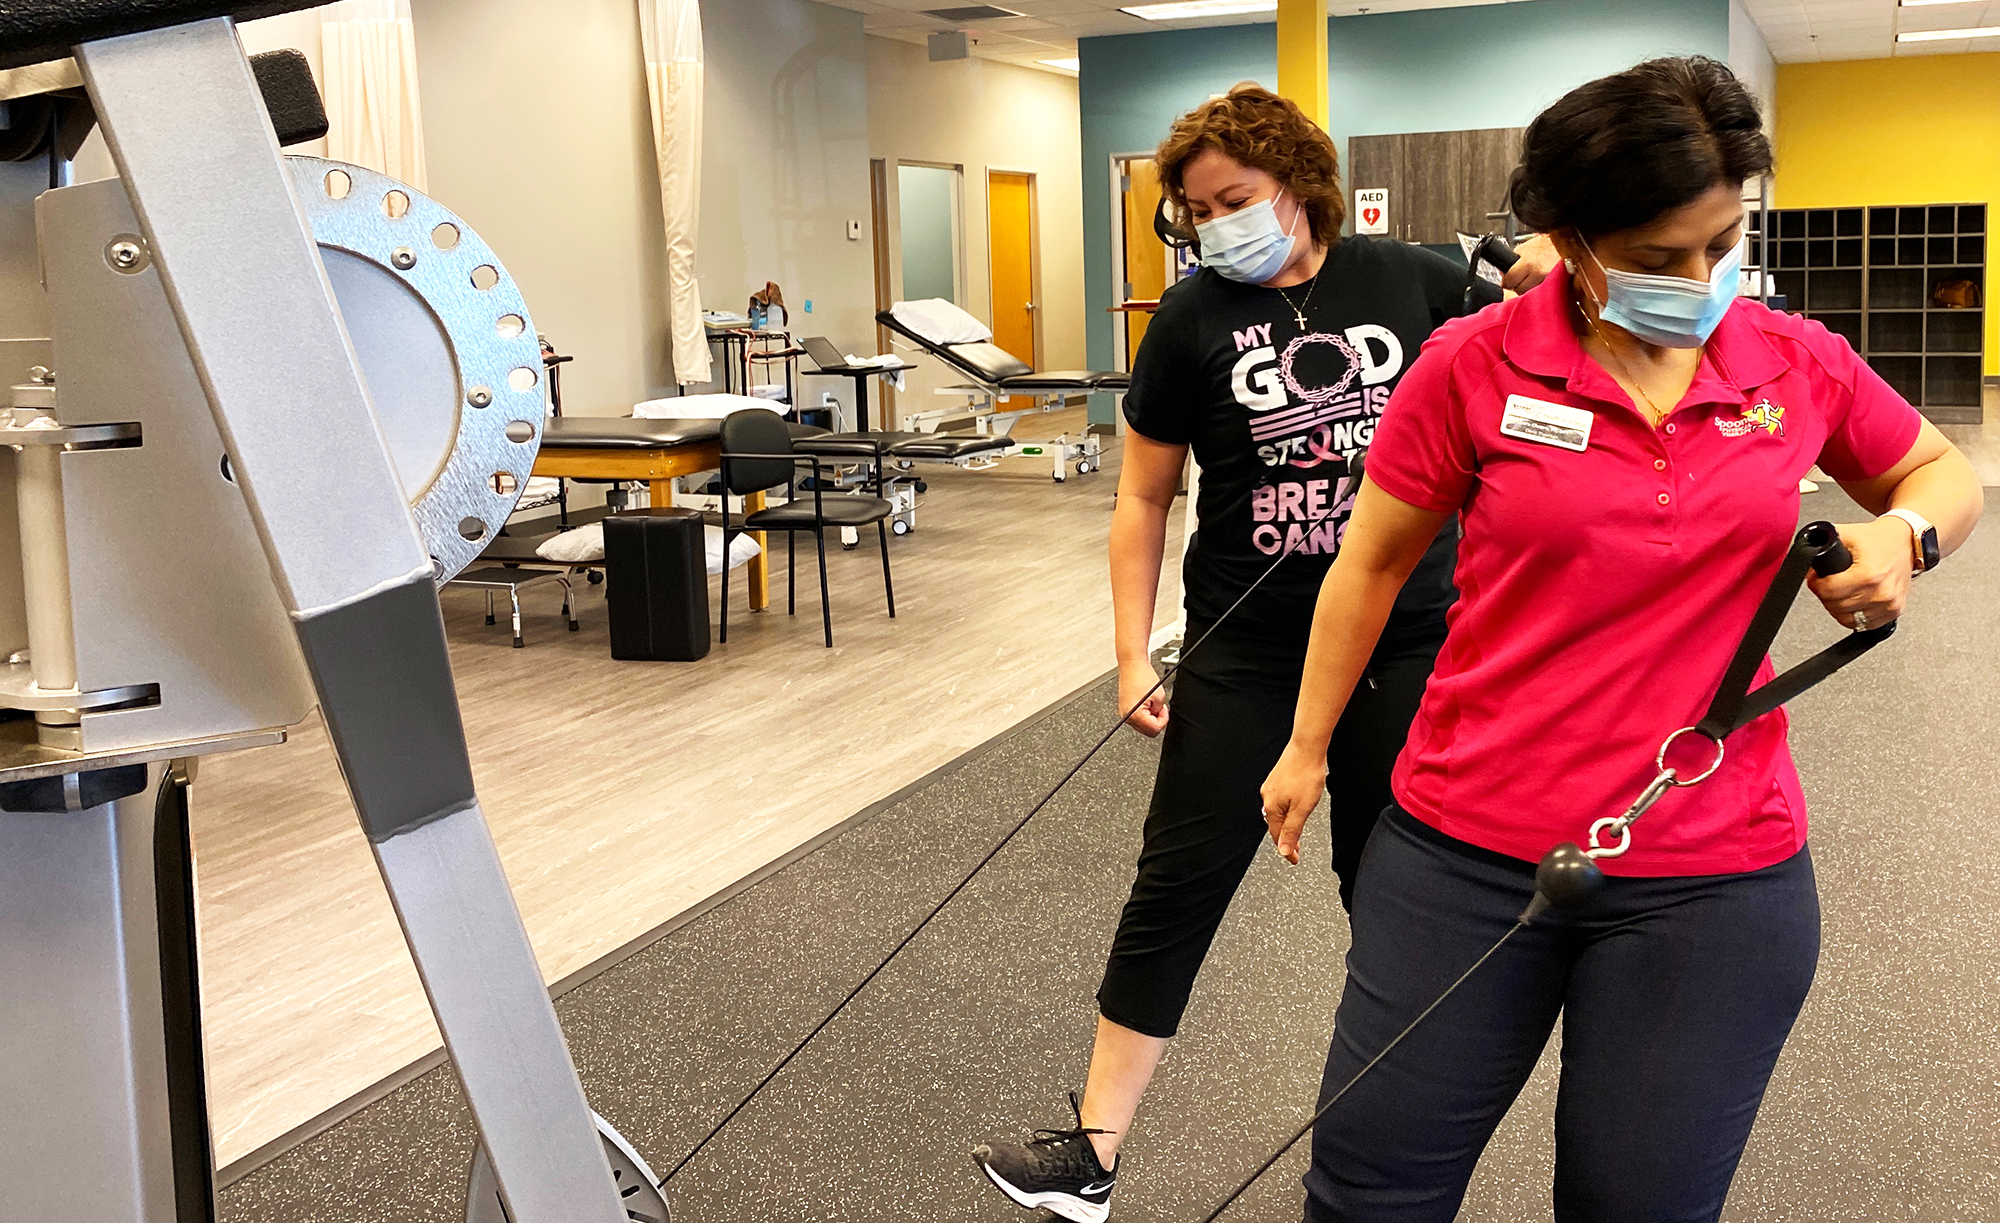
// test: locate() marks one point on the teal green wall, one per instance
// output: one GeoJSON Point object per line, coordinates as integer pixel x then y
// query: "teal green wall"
{"type": "Point", "coordinates": [1494, 65]}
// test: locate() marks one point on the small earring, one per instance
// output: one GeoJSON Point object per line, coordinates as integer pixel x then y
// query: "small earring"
{"type": "Point", "coordinates": [1569, 265]}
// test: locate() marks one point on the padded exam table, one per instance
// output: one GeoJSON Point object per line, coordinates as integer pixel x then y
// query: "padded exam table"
{"type": "Point", "coordinates": [636, 448]}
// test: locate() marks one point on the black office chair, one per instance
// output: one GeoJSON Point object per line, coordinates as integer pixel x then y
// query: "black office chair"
{"type": "Point", "coordinates": [757, 455]}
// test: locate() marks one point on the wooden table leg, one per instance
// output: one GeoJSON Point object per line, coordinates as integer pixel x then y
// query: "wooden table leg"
{"type": "Point", "coordinates": [662, 491]}
{"type": "Point", "coordinates": [760, 565]}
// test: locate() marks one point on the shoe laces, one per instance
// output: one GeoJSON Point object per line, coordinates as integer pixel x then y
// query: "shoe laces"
{"type": "Point", "coordinates": [1072, 1147]}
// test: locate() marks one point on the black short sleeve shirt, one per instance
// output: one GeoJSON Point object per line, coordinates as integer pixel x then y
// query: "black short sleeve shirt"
{"type": "Point", "coordinates": [1268, 406]}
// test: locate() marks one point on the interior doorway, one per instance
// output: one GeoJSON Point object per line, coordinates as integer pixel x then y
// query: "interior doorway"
{"type": "Point", "coordinates": [885, 285]}
{"type": "Point", "coordinates": [1146, 266]}
{"type": "Point", "coordinates": [1010, 245]}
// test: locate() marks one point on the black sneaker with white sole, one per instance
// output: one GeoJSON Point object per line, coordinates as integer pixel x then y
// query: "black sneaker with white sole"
{"type": "Point", "coordinates": [1056, 1170]}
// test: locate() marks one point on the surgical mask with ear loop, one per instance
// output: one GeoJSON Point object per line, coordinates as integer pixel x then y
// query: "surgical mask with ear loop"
{"type": "Point", "coordinates": [1248, 245]}
{"type": "Point", "coordinates": [1671, 311]}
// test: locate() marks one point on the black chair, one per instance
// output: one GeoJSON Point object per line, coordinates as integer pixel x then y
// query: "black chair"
{"type": "Point", "coordinates": [757, 455]}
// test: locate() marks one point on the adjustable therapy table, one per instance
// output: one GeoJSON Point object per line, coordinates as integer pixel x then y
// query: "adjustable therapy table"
{"type": "Point", "coordinates": [995, 374]}
{"type": "Point", "coordinates": [636, 448]}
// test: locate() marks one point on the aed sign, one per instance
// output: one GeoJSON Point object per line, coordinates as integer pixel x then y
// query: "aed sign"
{"type": "Point", "coordinates": [1371, 210]}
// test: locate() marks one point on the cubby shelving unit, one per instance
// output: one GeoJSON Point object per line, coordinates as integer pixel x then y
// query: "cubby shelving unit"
{"type": "Point", "coordinates": [1870, 274]}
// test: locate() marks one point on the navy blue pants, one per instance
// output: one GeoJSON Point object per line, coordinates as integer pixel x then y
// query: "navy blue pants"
{"type": "Point", "coordinates": [1676, 995]}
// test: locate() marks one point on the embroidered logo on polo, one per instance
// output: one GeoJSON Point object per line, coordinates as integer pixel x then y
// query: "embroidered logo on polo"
{"type": "Point", "coordinates": [1312, 404]}
{"type": "Point", "coordinates": [1763, 415]}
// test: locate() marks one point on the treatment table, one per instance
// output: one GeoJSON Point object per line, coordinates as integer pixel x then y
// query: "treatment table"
{"type": "Point", "coordinates": [635, 448]}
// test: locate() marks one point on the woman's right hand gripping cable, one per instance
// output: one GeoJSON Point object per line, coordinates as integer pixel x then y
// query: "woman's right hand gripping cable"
{"type": "Point", "coordinates": [1135, 681]}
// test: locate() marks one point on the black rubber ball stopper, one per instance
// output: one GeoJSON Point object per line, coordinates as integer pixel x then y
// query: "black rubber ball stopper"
{"type": "Point", "coordinates": [1567, 876]}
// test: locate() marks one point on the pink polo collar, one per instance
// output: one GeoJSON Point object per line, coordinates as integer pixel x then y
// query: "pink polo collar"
{"type": "Point", "coordinates": [1541, 340]}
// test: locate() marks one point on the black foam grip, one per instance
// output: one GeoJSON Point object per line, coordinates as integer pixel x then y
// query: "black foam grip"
{"type": "Point", "coordinates": [32, 31]}
{"type": "Point", "coordinates": [1494, 249]}
{"type": "Point", "coordinates": [290, 95]}
{"type": "Point", "coordinates": [1831, 556]}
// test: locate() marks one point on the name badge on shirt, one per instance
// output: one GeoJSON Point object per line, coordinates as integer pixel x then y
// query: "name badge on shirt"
{"type": "Point", "coordinates": [1553, 424]}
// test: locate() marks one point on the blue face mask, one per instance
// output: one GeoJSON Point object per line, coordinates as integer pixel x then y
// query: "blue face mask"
{"type": "Point", "coordinates": [1248, 245]}
{"type": "Point", "coordinates": [1670, 311]}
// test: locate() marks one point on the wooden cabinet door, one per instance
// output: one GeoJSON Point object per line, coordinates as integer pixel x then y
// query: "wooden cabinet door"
{"type": "Point", "coordinates": [1377, 161]}
{"type": "Point", "coordinates": [1433, 186]}
{"type": "Point", "coordinates": [1486, 164]}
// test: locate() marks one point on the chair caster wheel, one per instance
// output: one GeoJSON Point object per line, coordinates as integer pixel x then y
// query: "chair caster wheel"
{"type": "Point", "coordinates": [595, 577]}
{"type": "Point", "coordinates": [901, 528]}
{"type": "Point", "coordinates": [923, 487]}
{"type": "Point", "coordinates": [1084, 469]}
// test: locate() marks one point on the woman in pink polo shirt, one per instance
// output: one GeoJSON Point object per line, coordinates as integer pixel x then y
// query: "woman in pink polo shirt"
{"type": "Point", "coordinates": [1622, 447]}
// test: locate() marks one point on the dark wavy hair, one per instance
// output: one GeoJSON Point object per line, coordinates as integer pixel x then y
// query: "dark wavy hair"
{"type": "Point", "coordinates": [1627, 149]}
{"type": "Point", "coordinates": [1258, 128]}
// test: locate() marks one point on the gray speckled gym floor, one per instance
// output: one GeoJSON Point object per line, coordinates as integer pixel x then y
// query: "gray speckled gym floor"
{"type": "Point", "coordinates": [1886, 1104]}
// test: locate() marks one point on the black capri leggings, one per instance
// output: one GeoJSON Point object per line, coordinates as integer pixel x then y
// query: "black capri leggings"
{"type": "Point", "coordinates": [1676, 995]}
{"type": "Point", "coordinates": [1230, 716]}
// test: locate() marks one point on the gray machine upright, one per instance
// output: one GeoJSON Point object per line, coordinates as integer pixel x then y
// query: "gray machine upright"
{"type": "Point", "coordinates": [261, 407]}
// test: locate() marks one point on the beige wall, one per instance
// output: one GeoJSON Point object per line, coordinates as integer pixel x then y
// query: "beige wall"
{"type": "Point", "coordinates": [984, 115]}
{"type": "Point", "coordinates": [785, 167]}
{"type": "Point", "coordinates": [536, 130]}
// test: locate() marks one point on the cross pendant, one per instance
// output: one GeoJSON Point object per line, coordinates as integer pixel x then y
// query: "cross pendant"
{"type": "Point", "coordinates": [1300, 315]}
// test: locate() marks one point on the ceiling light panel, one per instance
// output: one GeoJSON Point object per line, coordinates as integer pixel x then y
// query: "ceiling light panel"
{"type": "Point", "coordinates": [1984, 31]}
{"type": "Point", "coordinates": [1182, 10]}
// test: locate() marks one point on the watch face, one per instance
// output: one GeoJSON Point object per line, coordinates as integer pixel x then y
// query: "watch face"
{"type": "Point", "coordinates": [1928, 541]}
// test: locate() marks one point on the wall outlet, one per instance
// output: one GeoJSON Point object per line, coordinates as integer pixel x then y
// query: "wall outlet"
{"type": "Point", "coordinates": [854, 231]}
{"type": "Point", "coordinates": [827, 399]}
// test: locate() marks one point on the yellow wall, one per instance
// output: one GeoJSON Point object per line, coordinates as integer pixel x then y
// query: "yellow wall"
{"type": "Point", "coordinates": [1918, 130]}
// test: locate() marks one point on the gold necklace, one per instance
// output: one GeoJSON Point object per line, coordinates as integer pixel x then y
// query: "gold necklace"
{"type": "Point", "coordinates": [1299, 306]}
{"type": "Point", "coordinates": [1659, 417]}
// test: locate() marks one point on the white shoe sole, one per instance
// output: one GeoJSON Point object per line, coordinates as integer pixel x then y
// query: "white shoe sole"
{"type": "Point", "coordinates": [1073, 1208]}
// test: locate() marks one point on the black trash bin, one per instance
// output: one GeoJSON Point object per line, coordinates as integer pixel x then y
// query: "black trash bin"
{"type": "Point", "coordinates": [656, 585]}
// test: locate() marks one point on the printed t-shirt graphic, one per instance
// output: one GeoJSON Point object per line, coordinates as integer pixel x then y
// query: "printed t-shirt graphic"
{"type": "Point", "coordinates": [1272, 410]}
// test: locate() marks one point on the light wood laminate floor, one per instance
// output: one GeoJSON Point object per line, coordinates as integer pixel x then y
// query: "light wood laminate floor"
{"type": "Point", "coordinates": [622, 794]}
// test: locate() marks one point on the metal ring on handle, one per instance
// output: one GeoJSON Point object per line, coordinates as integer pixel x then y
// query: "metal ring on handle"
{"type": "Point", "coordinates": [499, 402]}
{"type": "Point", "coordinates": [1660, 759]}
{"type": "Point", "coordinates": [1617, 824]}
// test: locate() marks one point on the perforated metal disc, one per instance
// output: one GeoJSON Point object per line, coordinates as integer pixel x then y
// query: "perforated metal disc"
{"type": "Point", "coordinates": [445, 344]}
{"type": "Point", "coordinates": [638, 1188]}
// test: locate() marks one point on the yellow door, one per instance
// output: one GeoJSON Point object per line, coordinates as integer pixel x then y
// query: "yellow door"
{"type": "Point", "coordinates": [1010, 223]}
{"type": "Point", "coordinates": [1145, 254]}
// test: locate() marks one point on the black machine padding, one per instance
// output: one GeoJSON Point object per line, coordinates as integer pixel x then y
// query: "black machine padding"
{"type": "Point", "coordinates": [33, 31]}
{"type": "Point", "coordinates": [285, 79]}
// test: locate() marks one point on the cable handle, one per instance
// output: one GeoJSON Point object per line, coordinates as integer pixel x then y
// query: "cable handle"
{"type": "Point", "coordinates": [1829, 554]}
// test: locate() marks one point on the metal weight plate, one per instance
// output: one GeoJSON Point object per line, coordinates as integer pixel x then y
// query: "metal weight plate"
{"type": "Point", "coordinates": [638, 1188]}
{"type": "Point", "coordinates": [445, 345]}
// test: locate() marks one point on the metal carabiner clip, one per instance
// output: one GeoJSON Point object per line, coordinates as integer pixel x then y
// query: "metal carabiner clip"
{"type": "Point", "coordinates": [1667, 779]}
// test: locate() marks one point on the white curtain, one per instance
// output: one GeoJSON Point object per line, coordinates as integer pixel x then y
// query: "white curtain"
{"type": "Point", "coordinates": [369, 66]}
{"type": "Point", "coordinates": [670, 33]}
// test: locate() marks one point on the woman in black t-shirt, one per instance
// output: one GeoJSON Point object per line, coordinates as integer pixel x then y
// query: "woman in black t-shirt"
{"type": "Point", "coordinates": [1272, 364]}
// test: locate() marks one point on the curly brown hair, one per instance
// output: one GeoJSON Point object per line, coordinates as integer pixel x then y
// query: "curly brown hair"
{"type": "Point", "coordinates": [1258, 128]}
